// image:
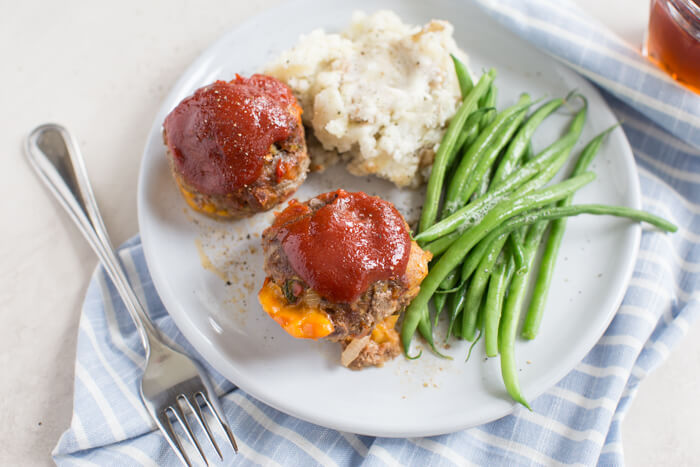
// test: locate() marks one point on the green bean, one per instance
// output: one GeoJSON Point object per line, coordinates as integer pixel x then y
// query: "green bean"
{"type": "Point", "coordinates": [469, 133]}
{"type": "Point", "coordinates": [488, 100]}
{"type": "Point", "coordinates": [479, 327]}
{"type": "Point", "coordinates": [468, 215]}
{"type": "Point", "coordinates": [447, 145]}
{"type": "Point", "coordinates": [529, 152]}
{"type": "Point", "coordinates": [445, 243]}
{"type": "Point", "coordinates": [408, 329]}
{"type": "Point", "coordinates": [589, 152]}
{"type": "Point", "coordinates": [454, 197]}
{"type": "Point", "coordinates": [490, 153]}
{"type": "Point", "coordinates": [533, 318]}
{"type": "Point", "coordinates": [441, 291]}
{"type": "Point", "coordinates": [439, 303]}
{"type": "Point", "coordinates": [568, 211]}
{"type": "Point", "coordinates": [459, 249]}
{"type": "Point", "coordinates": [489, 156]}
{"type": "Point", "coordinates": [515, 243]}
{"type": "Point", "coordinates": [455, 304]}
{"type": "Point", "coordinates": [541, 169]}
{"type": "Point", "coordinates": [463, 78]}
{"type": "Point", "coordinates": [457, 327]}
{"type": "Point", "coordinates": [441, 245]}
{"type": "Point", "coordinates": [472, 261]}
{"type": "Point", "coordinates": [426, 331]}
{"type": "Point", "coordinates": [477, 286]}
{"type": "Point", "coordinates": [498, 284]}
{"type": "Point", "coordinates": [519, 144]}
{"type": "Point", "coordinates": [511, 314]}
{"type": "Point", "coordinates": [559, 212]}
{"type": "Point", "coordinates": [475, 256]}
{"type": "Point", "coordinates": [563, 144]}
{"type": "Point", "coordinates": [483, 187]}
{"type": "Point", "coordinates": [551, 155]}
{"type": "Point", "coordinates": [471, 347]}
{"type": "Point", "coordinates": [480, 317]}
{"type": "Point", "coordinates": [552, 213]}
{"type": "Point", "coordinates": [424, 326]}
{"type": "Point", "coordinates": [509, 374]}
{"type": "Point", "coordinates": [465, 217]}
{"type": "Point", "coordinates": [450, 281]}
{"type": "Point", "coordinates": [444, 233]}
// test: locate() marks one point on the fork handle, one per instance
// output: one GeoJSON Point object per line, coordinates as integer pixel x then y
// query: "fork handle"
{"type": "Point", "coordinates": [53, 153]}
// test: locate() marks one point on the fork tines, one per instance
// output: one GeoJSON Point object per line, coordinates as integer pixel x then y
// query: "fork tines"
{"type": "Point", "coordinates": [167, 428]}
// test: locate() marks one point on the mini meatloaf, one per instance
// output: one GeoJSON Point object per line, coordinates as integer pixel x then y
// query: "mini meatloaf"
{"type": "Point", "coordinates": [237, 148]}
{"type": "Point", "coordinates": [342, 266]}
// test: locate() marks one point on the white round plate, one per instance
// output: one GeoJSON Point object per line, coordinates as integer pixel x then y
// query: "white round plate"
{"type": "Point", "coordinates": [427, 396]}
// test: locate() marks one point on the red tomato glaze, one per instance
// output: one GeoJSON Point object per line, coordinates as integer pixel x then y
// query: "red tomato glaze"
{"type": "Point", "coordinates": [346, 245]}
{"type": "Point", "coordinates": [220, 135]}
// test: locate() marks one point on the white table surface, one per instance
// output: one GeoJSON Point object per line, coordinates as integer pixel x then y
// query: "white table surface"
{"type": "Point", "coordinates": [102, 71]}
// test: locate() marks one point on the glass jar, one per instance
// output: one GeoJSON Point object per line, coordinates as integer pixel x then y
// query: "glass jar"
{"type": "Point", "coordinates": [673, 39]}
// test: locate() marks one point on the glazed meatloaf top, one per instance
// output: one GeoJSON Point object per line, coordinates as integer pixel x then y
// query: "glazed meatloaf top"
{"type": "Point", "coordinates": [350, 318]}
{"type": "Point", "coordinates": [237, 147]}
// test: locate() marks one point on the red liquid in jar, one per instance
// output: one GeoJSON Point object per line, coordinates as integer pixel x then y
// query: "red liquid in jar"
{"type": "Point", "coordinates": [673, 40]}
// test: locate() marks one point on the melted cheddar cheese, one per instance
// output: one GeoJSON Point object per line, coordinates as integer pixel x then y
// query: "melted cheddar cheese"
{"type": "Point", "coordinates": [385, 332]}
{"type": "Point", "coordinates": [200, 205]}
{"type": "Point", "coordinates": [298, 320]}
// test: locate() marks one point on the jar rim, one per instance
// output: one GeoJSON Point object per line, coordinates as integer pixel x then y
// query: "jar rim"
{"type": "Point", "coordinates": [690, 9]}
{"type": "Point", "coordinates": [686, 13]}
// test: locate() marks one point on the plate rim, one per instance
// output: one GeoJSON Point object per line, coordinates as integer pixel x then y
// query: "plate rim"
{"type": "Point", "coordinates": [193, 73]}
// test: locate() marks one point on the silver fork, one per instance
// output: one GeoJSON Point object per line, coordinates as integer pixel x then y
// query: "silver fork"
{"type": "Point", "coordinates": [171, 379]}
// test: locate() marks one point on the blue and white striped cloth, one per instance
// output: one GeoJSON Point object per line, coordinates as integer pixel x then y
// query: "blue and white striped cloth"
{"type": "Point", "coordinates": [577, 421]}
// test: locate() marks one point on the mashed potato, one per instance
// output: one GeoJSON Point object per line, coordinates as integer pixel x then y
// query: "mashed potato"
{"type": "Point", "coordinates": [380, 93]}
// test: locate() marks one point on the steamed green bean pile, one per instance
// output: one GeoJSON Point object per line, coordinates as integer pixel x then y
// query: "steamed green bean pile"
{"type": "Point", "coordinates": [489, 209]}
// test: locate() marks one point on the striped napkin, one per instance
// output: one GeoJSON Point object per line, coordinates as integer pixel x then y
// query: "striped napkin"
{"type": "Point", "coordinates": [576, 421]}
